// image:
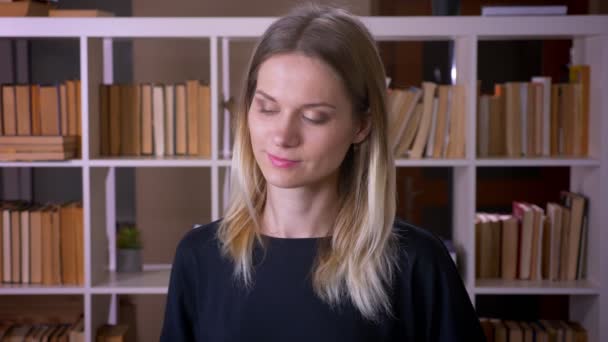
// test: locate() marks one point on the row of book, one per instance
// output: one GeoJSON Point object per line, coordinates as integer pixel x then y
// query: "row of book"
{"type": "Point", "coordinates": [497, 330]}
{"type": "Point", "coordinates": [156, 119]}
{"type": "Point", "coordinates": [31, 113]}
{"type": "Point", "coordinates": [39, 332]}
{"type": "Point", "coordinates": [35, 109]}
{"type": "Point", "coordinates": [427, 122]}
{"type": "Point", "coordinates": [533, 243]}
{"type": "Point", "coordinates": [536, 119]}
{"type": "Point", "coordinates": [42, 244]}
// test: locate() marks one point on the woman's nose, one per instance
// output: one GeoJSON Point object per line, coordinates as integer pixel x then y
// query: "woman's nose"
{"type": "Point", "coordinates": [286, 132]}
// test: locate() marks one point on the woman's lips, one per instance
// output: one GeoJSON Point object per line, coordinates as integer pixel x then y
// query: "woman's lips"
{"type": "Point", "coordinates": [280, 162]}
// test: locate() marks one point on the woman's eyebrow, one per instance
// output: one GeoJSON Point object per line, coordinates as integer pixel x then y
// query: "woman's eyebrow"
{"type": "Point", "coordinates": [307, 105]}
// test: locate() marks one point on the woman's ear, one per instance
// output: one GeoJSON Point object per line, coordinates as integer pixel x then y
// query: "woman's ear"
{"type": "Point", "coordinates": [364, 126]}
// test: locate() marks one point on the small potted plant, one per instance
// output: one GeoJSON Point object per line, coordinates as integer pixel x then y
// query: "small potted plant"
{"type": "Point", "coordinates": [128, 258]}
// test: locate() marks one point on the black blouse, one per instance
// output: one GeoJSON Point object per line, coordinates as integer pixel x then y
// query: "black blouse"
{"type": "Point", "coordinates": [205, 303]}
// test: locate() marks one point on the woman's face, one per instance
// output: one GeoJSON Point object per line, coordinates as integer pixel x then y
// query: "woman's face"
{"type": "Point", "coordinates": [301, 121]}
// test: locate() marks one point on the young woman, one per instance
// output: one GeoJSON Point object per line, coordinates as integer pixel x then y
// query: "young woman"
{"type": "Point", "coordinates": [310, 249]}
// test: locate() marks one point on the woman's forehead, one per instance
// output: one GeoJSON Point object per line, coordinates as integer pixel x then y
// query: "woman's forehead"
{"type": "Point", "coordinates": [298, 75]}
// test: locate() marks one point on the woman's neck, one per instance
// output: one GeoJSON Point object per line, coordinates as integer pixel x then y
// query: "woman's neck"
{"type": "Point", "coordinates": [299, 213]}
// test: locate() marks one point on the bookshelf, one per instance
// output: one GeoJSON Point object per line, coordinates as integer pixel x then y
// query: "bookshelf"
{"type": "Point", "coordinates": [588, 299]}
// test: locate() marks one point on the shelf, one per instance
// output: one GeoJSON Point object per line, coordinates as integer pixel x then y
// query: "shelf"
{"type": "Point", "coordinates": [28, 289]}
{"type": "Point", "coordinates": [177, 161]}
{"type": "Point", "coordinates": [398, 27]}
{"type": "Point", "coordinates": [65, 163]}
{"type": "Point", "coordinates": [529, 287]}
{"type": "Point", "coordinates": [431, 162]}
{"type": "Point", "coordinates": [145, 282]}
{"type": "Point", "coordinates": [530, 162]}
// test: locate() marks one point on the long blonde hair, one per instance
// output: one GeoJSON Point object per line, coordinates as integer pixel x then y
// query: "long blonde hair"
{"type": "Point", "coordinates": [358, 263]}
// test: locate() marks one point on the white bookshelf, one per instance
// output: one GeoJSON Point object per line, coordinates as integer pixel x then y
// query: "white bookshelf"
{"type": "Point", "coordinates": [588, 299]}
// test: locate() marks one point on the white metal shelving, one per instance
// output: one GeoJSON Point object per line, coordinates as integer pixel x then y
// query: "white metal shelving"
{"type": "Point", "coordinates": [588, 299]}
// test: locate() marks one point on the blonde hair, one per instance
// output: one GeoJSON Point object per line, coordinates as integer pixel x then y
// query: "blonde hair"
{"type": "Point", "coordinates": [358, 263]}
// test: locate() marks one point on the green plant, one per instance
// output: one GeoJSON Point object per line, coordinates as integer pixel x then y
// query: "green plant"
{"type": "Point", "coordinates": [128, 237]}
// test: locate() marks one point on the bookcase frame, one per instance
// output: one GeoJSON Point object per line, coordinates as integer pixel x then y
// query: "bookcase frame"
{"type": "Point", "coordinates": [588, 299]}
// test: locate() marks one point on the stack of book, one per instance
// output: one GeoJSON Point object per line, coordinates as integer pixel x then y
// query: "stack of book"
{"type": "Point", "coordinates": [40, 122]}
{"type": "Point", "coordinates": [497, 330]}
{"type": "Point", "coordinates": [536, 119]}
{"type": "Point", "coordinates": [156, 119]}
{"type": "Point", "coordinates": [112, 333]}
{"type": "Point", "coordinates": [42, 244]}
{"type": "Point", "coordinates": [428, 122]}
{"type": "Point", "coordinates": [532, 243]}
{"type": "Point", "coordinates": [73, 332]}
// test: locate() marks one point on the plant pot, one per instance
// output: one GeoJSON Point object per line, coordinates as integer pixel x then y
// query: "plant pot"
{"type": "Point", "coordinates": [128, 260]}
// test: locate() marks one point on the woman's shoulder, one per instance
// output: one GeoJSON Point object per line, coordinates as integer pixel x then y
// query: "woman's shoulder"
{"type": "Point", "coordinates": [199, 238]}
{"type": "Point", "coordinates": [418, 245]}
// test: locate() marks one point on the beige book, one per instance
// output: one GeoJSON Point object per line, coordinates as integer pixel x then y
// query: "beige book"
{"type": "Point", "coordinates": [496, 134]}
{"type": "Point", "coordinates": [136, 117]}
{"type": "Point", "coordinates": [457, 131]}
{"type": "Point", "coordinates": [49, 110]}
{"type": "Point", "coordinates": [16, 246]}
{"type": "Point", "coordinates": [577, 205]}
{"type": "Point", "coordinates": [72, 106]}
{"type": "Point", "coordinates": [397, 100]}
{"type": "Point", "coordinates": [537, 243]}
{"type": "Point", "coordinates": [524, 213]}
{"type": "Point", "coordinates": [509, 247]}
{"type": "Point", "coordinates": [6, 246]}
{"type": "Point", "coordinates": [169, 120]}
{"type": "Point", "coordinates": [35, 109]}
{"type": "Point", "coordinates": [539, 129]}
{"type": "Point", "coordinates": [563, 261]}
{"type": "Point", "coordinates": [483, 126]}
{"type": "Point", "coordinates": [428, 91]}
{"type": "Point", "coordinates": [114, 122]}
{"type": "Point", "coordinates": [24, 119]}
{"type": "Point", "coordinates": [567, 122]}
{"type": "Point", "coordinates": [204, 130]}
{"type": "Point", "coordinates": [554, 131]}
{"type": "Point", "coordinates": [441, 131]}
{"type": "Point", "coordinates": [78, 108]}
{"type": "Point", "coordinates": [554, 220]}
{"type": "Point", "coordinates": [530, 119]}
{"type": "Point", "coordinates": [545, 113]}
{"type": "Point", "coordinates": [577, 134]}
{"type": "Point", "coordinates": [36, 246]}
{"type": "Point", "coordinates": [63, 109]}
{"type": "Point", "coordinates": [68, 245]}
{"type": "Point", "coordinates": [104, 119]}
{"type": "Point", "coordinates": [410, 131]}
{"type": "Point", "coordinates": [192, 114]}
{"type": "Point", "coordinates": [79, 238]}
{"type": "Point", "coordinates": [158, 112]}
{"type": "Point", "coordinates": [181, 128]}
{"type": "Point", "coordinates": [9, 115]}
{"type": "Point", "coordinates": [47, 246]}
{"type": "Point", "coordinates": [56, 246]}
{"type": "Point", "coordinates": [513, 119]}
{"type": "Point", "coordinates": [580, 74]}
{"type": "Point", "coordinates": [147, 140]}
{"type": "Point", "coordinates": [25, 246]}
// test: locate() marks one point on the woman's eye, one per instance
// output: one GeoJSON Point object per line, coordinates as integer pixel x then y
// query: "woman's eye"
{"type": "Point", "coordinates": [315, 119]}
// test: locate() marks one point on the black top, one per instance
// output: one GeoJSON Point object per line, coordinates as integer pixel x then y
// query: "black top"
{"type": "Point", "coordinates": [205, 303]}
